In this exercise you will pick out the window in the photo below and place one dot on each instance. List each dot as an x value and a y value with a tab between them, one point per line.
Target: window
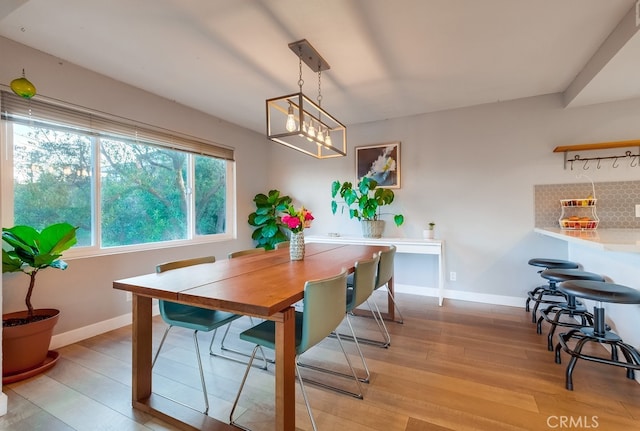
123	185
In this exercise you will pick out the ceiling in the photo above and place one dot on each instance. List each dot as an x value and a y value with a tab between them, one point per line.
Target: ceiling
388	58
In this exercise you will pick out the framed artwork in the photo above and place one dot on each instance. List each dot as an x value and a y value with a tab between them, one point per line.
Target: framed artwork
380	162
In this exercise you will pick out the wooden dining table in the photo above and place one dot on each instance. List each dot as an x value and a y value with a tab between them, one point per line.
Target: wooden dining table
265	285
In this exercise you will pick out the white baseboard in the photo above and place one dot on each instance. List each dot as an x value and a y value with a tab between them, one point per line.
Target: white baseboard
485	298
70	337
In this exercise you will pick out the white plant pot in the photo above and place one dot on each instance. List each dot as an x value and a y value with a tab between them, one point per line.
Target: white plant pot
372	228
428	233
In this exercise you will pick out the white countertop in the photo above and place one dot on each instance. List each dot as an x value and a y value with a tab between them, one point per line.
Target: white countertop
623	240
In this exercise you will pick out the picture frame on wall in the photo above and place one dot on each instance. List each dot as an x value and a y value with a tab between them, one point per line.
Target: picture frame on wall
380	162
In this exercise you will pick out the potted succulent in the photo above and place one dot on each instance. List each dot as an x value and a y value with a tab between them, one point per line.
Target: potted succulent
429	233
364	202
27	334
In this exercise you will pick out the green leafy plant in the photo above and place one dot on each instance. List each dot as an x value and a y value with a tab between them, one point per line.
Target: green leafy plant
432	225
269	227
30	251
363	201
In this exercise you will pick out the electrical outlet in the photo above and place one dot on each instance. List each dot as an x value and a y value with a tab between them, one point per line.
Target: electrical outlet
453	276
129	296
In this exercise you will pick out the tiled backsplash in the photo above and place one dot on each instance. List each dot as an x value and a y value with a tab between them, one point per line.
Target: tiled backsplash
615	206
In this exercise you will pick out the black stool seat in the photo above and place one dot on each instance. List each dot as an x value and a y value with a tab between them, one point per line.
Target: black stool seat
600	292
572	307
553	263
547	294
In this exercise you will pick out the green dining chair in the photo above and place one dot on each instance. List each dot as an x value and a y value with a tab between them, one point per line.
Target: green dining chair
190	317
383	276
324	302
223	348
363	283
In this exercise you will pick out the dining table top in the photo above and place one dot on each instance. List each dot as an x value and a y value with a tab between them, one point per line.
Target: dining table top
257	284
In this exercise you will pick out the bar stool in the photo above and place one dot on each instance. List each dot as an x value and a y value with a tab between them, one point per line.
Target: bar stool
572	307
600	292
537	295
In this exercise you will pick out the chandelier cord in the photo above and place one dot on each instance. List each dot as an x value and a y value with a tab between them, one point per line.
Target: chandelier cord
319	89
300	80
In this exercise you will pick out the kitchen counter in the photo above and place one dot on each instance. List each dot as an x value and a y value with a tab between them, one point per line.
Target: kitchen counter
622	240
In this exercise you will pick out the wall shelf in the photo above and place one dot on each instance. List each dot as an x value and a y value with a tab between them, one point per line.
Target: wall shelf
566	149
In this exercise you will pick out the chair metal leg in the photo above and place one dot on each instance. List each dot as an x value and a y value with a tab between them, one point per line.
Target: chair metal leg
364	363
353	374
265	361
164	337
195	340
306	399
393	300
244	379
204	386
377	315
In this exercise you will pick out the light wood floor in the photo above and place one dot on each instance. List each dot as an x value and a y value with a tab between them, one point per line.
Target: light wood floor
463	366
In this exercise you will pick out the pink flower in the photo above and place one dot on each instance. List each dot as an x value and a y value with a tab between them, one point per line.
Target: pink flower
291	222
296	221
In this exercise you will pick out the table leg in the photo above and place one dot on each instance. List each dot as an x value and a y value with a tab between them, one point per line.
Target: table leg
285	371
391	307
141	348
441	276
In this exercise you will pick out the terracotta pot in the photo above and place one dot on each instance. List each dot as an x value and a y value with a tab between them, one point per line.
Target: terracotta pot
25	346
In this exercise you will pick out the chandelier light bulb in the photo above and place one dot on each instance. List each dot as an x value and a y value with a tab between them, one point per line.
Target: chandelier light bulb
320	134
311	130
291	120
327	139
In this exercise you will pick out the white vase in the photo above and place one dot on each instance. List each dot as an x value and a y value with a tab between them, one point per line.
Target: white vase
296	246
428	233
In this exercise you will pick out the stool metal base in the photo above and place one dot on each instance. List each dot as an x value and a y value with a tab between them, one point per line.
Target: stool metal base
585	335
571	309
540	295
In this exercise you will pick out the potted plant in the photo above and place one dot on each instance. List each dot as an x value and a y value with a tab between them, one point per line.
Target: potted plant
265	218
27	334
364	202
429	233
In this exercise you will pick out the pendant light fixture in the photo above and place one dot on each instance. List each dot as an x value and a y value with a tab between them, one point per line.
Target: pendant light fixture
296	121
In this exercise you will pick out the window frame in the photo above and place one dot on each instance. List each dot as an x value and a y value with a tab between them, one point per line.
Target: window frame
175	142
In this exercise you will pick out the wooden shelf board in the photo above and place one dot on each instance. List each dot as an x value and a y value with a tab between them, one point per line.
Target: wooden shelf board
597	146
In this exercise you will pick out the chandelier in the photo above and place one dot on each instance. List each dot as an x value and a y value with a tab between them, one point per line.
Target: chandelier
298	122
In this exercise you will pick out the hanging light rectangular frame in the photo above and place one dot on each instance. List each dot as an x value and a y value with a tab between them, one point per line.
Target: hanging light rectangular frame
328	138
298	122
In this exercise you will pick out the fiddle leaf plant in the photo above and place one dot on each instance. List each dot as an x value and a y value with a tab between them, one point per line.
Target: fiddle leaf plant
29	251
364	200
269	227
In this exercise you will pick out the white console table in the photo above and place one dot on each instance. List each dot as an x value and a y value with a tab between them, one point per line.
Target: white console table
403	245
